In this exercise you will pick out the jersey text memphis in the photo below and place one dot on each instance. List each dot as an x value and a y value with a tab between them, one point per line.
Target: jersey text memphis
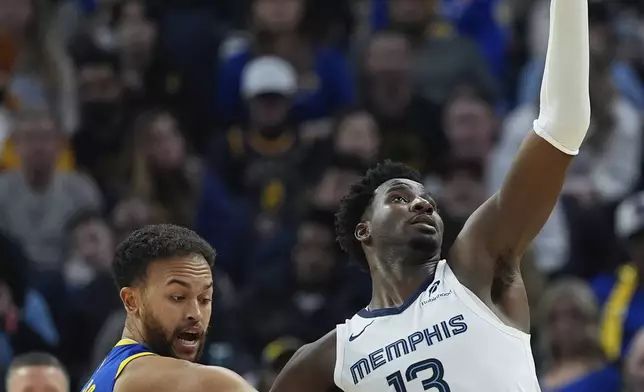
443	339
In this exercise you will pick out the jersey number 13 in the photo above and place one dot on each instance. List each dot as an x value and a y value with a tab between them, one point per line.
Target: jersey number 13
397	380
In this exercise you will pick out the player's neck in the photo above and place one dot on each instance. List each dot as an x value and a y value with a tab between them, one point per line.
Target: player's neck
131	333
393	283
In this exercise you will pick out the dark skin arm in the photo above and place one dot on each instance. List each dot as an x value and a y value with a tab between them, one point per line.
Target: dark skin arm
311	366
489	249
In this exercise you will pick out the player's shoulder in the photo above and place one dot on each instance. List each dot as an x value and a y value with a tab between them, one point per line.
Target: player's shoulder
157	373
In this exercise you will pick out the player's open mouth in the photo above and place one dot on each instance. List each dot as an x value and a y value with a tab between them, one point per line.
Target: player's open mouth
188	339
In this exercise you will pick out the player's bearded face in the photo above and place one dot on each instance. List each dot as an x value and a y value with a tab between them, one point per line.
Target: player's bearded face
161	339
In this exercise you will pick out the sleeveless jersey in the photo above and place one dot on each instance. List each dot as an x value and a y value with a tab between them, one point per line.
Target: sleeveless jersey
110	369
442	339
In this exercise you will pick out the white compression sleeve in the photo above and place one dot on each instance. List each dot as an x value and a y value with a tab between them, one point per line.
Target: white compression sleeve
564	115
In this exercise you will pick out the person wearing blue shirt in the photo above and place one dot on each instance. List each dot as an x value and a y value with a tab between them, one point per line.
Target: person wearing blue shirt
621	294
325	84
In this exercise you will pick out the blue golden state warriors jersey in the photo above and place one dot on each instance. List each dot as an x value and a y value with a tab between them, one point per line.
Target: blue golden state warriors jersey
110	369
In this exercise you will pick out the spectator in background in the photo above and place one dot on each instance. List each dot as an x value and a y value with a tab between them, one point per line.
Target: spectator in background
439	62
410	125
36	201
98	142
36	371
357	135
26	323
161	173
91	250
308	302
324	84
335	181
136	36
34	74
620	293
250	160
256	170
470	124
484	21
572	357
91	296
602	174
633	372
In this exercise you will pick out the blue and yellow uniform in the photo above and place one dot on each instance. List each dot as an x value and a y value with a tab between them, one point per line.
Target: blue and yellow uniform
104	377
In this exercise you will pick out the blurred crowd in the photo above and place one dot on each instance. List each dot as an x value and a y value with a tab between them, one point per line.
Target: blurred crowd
247	120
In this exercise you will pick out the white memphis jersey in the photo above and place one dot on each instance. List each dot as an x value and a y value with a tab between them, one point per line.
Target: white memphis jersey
443	339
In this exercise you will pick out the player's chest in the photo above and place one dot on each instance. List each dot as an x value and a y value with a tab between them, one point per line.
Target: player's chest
424	352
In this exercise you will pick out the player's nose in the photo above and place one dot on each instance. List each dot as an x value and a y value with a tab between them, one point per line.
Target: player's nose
193	311
421	206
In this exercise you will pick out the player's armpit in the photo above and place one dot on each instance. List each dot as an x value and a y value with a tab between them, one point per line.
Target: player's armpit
162	374
310	369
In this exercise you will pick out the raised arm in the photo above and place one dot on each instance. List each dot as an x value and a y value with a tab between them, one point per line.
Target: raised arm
310	369
161	374
499	232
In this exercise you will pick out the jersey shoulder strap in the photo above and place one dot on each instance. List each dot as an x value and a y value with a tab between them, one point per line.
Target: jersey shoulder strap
124	352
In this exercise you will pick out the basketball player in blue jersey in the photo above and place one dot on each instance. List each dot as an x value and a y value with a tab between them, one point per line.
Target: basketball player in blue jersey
165	281
462	325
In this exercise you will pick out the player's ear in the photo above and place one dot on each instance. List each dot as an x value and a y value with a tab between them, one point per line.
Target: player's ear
362	232
130	299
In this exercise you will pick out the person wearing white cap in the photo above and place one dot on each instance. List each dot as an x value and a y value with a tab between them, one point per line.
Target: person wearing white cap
621	293
268	84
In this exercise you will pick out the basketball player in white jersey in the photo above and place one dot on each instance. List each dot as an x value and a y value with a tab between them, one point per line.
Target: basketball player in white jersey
461	325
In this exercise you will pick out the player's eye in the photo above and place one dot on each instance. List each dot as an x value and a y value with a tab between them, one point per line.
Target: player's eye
398	199
205	301
177	298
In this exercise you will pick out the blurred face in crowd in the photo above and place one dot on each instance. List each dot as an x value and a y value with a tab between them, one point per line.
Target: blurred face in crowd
136	34
269	113
37	141
410	16
634	364
462	193
312	256
334	184
570	328
172	307
166	147
357	135
15	16
387	67
277	16
99	93
93	242
37	379
470	126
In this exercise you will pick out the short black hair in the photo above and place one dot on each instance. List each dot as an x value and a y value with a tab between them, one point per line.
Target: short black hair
35	358
359	198
82	217
154	242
